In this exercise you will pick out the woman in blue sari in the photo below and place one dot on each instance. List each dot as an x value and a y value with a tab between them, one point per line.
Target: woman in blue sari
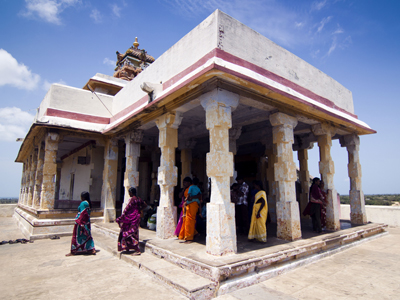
82	241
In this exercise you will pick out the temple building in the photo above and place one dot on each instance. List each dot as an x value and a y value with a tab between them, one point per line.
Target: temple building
224	100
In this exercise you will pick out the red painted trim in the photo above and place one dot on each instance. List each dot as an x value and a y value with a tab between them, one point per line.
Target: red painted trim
130	108
263	72
197	64
135	105
129	111
51	112
220	68
289	96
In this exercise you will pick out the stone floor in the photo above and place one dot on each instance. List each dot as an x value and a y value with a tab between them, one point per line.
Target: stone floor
40	270
370	270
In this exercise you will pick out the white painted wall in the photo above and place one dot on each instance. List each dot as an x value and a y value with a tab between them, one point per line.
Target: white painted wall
389	215
82	176
244	42
75	100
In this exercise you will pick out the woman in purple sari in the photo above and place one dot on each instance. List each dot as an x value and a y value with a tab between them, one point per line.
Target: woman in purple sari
129	223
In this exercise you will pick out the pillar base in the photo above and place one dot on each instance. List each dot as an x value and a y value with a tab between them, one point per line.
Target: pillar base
358	219
288	221
166	222
221	231
332	211
109	215
357	215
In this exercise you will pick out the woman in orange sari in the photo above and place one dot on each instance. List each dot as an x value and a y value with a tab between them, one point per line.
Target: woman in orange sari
190	209
187	182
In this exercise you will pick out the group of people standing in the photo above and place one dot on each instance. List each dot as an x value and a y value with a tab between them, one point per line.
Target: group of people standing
251	209
251	213
128	239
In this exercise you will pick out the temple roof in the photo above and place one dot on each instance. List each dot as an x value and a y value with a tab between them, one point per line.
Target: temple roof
135	52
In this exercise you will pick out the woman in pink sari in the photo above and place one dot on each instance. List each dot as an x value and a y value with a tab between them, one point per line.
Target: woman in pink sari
129	223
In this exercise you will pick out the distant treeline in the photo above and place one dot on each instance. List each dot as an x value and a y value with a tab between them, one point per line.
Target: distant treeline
8	200
374	199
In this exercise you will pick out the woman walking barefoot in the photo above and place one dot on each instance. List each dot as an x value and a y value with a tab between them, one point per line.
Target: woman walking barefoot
82	241
129	223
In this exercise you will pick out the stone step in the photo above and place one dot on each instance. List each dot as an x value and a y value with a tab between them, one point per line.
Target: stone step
183	281
229	273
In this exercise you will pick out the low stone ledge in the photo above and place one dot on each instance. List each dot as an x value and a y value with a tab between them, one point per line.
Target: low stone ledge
34	228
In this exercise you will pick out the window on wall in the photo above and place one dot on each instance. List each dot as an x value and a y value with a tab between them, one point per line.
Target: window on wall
71	187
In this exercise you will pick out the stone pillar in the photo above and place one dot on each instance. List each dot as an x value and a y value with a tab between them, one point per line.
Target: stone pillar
110	173
186	159
167	173
132	154
32	175
49	171
22	189
302	146
327	170
304	177
27	179
38	178
155	159
357	203
221	231
234	134
287	208
272	185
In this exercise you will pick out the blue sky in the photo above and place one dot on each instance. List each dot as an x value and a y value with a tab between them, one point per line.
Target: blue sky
67	41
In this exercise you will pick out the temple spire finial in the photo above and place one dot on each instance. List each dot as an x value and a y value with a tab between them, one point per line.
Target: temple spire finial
136	44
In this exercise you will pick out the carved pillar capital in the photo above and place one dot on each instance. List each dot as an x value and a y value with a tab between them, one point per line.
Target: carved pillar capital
349	140
303	143
135	136
323	129
218	105
169	120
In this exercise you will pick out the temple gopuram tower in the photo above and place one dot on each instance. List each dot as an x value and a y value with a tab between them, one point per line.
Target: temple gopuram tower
132	62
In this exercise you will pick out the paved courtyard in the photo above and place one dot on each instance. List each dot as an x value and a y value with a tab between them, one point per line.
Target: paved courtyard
40	270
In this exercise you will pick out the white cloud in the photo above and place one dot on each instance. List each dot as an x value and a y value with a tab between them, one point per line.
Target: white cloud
298	24
116	10
318	5
109	62
46	85
16	74
96	16
323	23
333	46
339	30
14	123
48	10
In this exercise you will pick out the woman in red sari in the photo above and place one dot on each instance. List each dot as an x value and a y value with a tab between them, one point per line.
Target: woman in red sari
129	223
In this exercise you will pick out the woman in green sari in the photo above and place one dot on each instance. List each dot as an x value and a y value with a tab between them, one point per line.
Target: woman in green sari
82	241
